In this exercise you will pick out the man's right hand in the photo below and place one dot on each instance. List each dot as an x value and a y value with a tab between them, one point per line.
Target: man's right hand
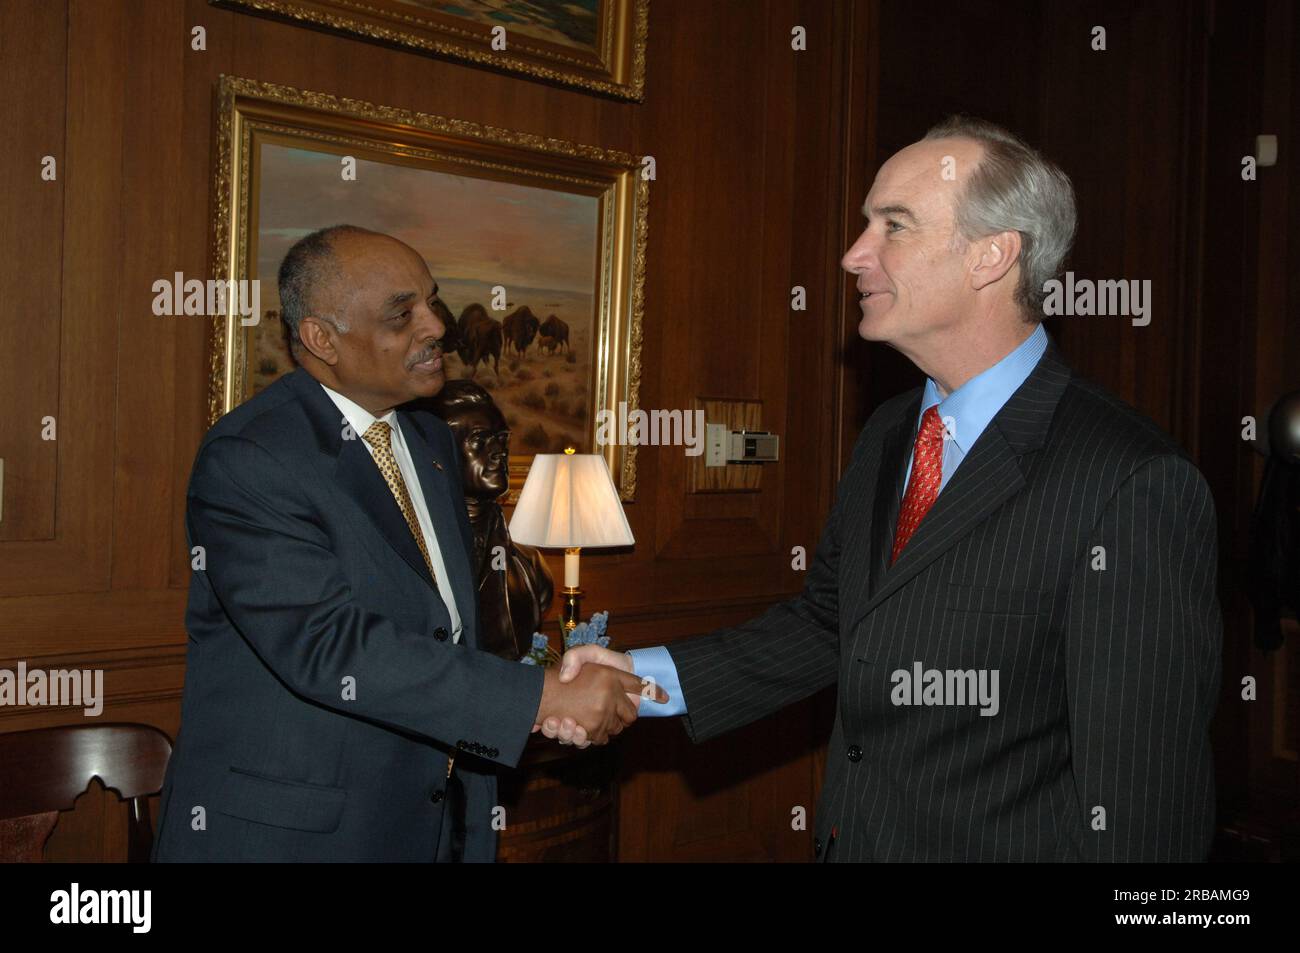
599	699
576	661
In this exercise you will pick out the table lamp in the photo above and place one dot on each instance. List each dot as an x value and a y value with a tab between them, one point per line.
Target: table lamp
569	501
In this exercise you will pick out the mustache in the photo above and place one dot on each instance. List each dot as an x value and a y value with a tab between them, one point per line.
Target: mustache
429	350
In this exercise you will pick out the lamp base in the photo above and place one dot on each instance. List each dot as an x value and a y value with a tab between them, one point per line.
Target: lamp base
572	608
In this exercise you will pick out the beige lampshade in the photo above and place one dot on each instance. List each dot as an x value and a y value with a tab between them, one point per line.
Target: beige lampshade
569	500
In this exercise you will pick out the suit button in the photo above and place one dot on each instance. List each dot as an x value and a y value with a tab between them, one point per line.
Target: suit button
855	753
440	634
436	796
817	845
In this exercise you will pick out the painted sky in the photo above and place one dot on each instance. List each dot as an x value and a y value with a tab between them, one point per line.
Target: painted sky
567	22
472	230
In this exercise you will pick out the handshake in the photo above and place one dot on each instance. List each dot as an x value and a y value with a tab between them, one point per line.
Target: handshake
592	697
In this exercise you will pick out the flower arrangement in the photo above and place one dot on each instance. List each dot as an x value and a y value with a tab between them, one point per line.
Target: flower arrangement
584	633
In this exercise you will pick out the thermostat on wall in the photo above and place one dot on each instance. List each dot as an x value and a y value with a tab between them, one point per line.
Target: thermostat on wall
725	446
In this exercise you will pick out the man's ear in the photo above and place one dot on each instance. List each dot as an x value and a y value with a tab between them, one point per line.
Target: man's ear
996	254
318	339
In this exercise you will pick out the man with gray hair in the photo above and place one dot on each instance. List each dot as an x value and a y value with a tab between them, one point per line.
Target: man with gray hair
338	704
1015	589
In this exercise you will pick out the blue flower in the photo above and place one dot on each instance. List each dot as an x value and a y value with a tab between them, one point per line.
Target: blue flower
588	633
540	641
528	660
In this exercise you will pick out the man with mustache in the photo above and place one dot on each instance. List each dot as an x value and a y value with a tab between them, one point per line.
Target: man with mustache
1015	589
336	703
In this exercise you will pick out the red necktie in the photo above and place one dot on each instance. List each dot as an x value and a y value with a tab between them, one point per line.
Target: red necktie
923	485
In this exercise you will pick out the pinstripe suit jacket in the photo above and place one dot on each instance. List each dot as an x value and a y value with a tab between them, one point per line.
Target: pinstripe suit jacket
1074	552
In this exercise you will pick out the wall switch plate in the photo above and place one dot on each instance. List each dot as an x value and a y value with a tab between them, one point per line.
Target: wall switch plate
716	441
713	468
754	446
1265	150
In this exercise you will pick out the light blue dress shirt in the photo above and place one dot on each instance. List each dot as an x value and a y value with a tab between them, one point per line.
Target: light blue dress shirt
965	412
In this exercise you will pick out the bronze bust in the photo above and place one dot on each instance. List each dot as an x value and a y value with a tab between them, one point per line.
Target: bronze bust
515	586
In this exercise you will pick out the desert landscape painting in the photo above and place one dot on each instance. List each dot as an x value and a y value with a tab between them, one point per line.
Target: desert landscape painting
565	22
516	267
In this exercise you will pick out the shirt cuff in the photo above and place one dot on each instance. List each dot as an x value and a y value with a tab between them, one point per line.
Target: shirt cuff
656	664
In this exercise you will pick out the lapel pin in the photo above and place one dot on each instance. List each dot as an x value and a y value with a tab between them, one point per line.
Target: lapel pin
437	464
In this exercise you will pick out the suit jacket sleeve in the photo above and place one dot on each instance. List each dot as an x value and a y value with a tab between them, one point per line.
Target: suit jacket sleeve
736	675
1143	641
269	563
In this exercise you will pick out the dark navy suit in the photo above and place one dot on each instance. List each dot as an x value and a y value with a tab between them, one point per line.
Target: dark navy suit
323	692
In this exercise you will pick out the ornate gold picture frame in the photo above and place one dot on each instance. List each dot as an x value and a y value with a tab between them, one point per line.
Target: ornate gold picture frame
509	223
596	45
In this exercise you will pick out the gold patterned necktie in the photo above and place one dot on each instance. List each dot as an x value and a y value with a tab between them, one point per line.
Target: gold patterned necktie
380	437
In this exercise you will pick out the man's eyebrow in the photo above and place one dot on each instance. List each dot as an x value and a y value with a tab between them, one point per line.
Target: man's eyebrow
406	297
883	211
400	297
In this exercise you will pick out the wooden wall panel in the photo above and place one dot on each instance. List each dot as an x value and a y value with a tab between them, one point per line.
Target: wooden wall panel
190	252
1226	367
33	86
143	530
77	558
1123	124
722	326
1272	792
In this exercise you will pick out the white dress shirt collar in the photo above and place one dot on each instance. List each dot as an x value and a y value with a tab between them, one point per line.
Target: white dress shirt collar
356	415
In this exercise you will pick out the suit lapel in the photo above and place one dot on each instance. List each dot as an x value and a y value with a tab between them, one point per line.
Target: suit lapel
988	477
992	472
456	549
356	472
889	493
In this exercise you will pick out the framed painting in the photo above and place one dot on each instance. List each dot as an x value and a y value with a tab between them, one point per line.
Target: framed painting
597	45
538	234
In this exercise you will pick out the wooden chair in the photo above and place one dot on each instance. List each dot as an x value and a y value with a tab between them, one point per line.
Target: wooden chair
43	771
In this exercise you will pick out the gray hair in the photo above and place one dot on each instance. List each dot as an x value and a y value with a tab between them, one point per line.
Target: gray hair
308	264
1015	188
